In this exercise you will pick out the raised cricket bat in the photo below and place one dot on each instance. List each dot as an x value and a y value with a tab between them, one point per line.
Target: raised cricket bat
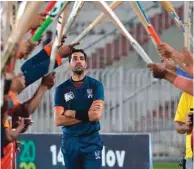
77	7
104	6
13	13
5	21
172	12
63	19
97	21
20	30
140	15
21	10
54	14
50	18
47	10
12	22
57	41
146	22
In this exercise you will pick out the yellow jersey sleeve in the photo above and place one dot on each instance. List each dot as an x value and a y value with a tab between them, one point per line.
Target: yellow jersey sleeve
186	102
182	109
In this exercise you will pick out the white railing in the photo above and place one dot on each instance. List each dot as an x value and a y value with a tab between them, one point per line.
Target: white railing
134	102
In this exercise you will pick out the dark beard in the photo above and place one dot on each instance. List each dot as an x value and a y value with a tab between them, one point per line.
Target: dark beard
78	72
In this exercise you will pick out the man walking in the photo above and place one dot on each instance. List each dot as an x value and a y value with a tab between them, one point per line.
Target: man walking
79	103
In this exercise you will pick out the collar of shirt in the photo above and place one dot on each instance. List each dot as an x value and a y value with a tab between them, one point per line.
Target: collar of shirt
78	83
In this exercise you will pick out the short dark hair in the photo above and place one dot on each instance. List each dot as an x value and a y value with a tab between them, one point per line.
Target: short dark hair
77	50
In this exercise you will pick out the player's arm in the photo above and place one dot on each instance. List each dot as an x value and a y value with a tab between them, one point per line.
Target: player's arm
45	53
59	111
15	86
93	114
184	84
61	119
12	134
37	66
159	71
28	107
182	128
97	107
95	111
180	119
180	82
185	59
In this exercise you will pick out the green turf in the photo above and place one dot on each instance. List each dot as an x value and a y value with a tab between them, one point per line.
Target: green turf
165	166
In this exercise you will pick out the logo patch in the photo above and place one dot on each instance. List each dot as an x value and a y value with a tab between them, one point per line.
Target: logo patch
68	96
97	154
90	93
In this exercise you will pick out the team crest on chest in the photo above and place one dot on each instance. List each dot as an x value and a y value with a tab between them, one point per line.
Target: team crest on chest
68	96
90	93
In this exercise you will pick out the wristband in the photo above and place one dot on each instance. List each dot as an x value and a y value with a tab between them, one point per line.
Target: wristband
82	115
58	57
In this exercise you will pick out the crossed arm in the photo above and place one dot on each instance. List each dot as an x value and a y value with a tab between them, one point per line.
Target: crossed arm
61	119
68	117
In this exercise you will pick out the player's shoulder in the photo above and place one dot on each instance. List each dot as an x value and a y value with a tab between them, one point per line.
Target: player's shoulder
94	81
63	84
185	97
185	102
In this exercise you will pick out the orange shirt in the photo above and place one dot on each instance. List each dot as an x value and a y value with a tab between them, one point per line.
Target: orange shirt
8	160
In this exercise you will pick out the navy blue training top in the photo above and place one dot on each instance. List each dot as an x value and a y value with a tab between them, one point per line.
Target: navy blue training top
79	99
36	67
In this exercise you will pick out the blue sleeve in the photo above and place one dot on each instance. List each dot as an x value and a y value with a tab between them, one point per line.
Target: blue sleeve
99	91
182	73
36	67
35	60
59	97
36	72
